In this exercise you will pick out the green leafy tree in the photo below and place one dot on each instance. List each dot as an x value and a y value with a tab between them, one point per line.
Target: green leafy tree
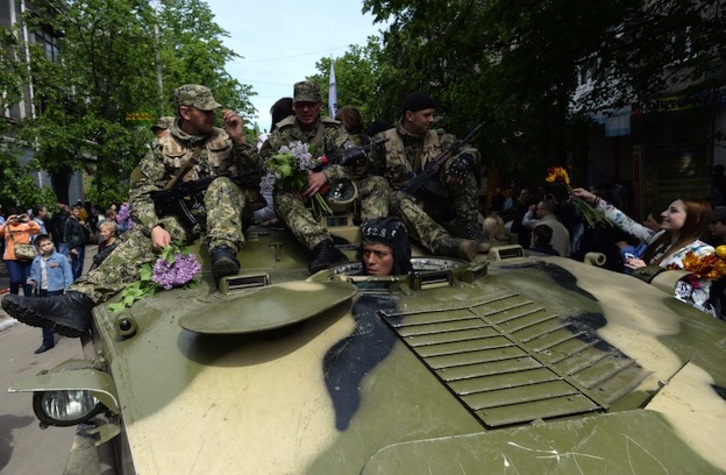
98	93
355	76
517	65
192	52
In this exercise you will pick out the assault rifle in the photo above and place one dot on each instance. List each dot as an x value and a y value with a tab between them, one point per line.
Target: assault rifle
173	201
432	168
347	156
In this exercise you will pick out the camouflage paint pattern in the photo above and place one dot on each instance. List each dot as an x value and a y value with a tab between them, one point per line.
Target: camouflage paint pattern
289	205
224	202
396	160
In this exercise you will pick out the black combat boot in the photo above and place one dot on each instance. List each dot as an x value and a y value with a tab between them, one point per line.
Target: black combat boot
68	314
326	255
455	247
224	262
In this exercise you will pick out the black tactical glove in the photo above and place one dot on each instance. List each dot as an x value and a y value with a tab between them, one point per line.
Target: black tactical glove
461	166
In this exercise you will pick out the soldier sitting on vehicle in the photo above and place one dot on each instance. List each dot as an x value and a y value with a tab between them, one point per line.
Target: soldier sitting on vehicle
320	136
193	149
410	145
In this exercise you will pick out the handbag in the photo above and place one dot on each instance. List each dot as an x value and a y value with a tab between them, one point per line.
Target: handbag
23	252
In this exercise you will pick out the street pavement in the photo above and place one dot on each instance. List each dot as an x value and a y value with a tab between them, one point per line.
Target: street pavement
24	447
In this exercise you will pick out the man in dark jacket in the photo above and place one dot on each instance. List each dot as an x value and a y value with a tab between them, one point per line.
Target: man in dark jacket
58	227
75	235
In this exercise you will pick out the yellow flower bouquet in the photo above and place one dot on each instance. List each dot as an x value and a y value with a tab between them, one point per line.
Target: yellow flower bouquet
591	215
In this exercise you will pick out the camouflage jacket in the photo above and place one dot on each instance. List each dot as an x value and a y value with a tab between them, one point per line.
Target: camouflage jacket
169	155
404	154
332	138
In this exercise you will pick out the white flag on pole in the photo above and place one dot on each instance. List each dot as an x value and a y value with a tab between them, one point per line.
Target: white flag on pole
332	91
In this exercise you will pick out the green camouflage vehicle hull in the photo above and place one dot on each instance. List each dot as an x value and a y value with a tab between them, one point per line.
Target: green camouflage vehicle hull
506	365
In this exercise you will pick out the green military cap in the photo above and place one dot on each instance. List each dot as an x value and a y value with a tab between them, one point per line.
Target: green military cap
197	96
164	122
306	91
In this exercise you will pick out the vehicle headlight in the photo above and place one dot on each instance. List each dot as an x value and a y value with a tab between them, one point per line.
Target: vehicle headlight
65	407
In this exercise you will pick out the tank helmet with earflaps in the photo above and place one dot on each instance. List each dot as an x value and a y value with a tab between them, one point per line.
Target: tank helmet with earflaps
391	232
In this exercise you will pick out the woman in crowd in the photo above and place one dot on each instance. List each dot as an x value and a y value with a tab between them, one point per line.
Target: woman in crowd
683	223
17	230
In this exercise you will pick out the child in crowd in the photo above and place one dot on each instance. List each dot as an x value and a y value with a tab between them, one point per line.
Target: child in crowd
50	274
107	230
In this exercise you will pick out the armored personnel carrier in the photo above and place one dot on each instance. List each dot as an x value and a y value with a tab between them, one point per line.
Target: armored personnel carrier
510	364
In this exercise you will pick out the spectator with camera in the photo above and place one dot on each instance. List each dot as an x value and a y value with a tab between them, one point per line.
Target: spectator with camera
19	251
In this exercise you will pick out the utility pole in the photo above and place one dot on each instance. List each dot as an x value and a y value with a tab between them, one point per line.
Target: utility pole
157	38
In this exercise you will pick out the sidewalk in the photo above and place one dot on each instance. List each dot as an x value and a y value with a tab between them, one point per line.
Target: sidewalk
5	320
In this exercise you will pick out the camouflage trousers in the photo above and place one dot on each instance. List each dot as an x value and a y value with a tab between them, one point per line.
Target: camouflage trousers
374	194
464	198
299	219
420	225
226	205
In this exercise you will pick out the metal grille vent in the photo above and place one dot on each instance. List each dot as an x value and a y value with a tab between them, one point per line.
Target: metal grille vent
511	361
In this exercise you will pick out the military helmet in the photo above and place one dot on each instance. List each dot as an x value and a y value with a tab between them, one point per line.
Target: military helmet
391	232
197	96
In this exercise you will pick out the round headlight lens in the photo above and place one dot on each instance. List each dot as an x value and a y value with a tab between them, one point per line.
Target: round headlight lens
65	408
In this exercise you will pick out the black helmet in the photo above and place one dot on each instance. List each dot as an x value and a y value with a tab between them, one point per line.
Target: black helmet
391	232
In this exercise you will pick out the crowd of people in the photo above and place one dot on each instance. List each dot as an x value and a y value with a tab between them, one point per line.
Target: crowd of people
444	217
44	254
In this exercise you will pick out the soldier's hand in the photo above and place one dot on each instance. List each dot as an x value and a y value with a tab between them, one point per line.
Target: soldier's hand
634	263
315	182
160	237
233	124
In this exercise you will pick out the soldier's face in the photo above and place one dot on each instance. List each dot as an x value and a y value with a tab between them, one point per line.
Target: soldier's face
196	121
419	122
377	259
307	113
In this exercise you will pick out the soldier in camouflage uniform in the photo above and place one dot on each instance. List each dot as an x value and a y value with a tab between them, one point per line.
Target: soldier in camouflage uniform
326	136
193	149
409	147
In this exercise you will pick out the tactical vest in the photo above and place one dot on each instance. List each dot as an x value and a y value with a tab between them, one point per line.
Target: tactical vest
399	167
318	139
216	157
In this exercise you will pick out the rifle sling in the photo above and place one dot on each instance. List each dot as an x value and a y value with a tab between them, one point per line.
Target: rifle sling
194	160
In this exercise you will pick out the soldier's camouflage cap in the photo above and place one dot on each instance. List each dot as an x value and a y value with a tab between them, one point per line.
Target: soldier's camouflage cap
197	96
306	91
164	122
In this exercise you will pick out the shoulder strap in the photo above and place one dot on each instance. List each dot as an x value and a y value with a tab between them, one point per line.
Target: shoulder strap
319	140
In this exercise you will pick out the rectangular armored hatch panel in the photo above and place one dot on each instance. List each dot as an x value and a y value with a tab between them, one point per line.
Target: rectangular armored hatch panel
512	361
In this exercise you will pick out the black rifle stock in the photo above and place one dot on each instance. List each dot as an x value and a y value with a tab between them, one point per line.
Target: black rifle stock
347	156
172	201
432	168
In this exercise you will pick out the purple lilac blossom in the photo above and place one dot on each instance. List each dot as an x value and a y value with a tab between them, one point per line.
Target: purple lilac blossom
177	274
124	217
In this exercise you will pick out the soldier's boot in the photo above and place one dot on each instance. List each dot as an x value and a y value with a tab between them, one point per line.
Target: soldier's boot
68	314
325	255
455	247
224	262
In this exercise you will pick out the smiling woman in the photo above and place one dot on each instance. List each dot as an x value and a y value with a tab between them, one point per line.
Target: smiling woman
684	222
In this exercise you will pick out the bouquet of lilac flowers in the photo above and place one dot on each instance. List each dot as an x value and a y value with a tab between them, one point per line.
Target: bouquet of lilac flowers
175	267
288	170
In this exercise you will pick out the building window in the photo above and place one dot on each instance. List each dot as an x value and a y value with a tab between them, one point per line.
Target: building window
49	43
